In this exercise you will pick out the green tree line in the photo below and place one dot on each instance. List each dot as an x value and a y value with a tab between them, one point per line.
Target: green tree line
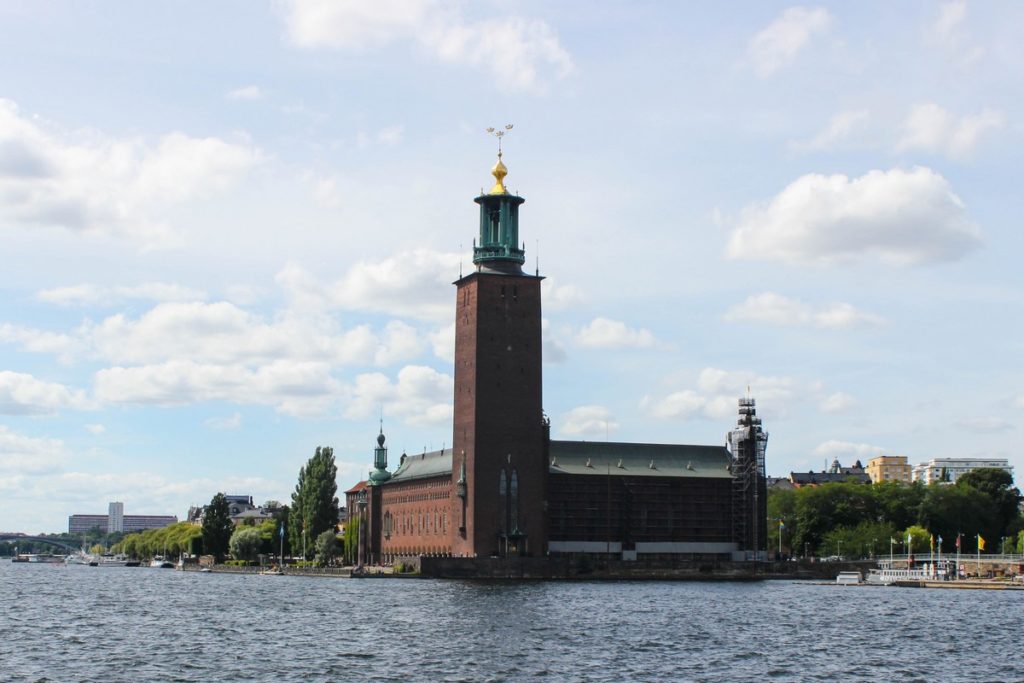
857	519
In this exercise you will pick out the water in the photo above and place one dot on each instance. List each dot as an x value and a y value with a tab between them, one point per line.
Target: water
139	624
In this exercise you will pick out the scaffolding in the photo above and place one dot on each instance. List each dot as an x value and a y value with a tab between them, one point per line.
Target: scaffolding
747	444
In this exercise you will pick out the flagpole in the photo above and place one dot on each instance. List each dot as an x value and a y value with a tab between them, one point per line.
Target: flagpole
958	535
977	542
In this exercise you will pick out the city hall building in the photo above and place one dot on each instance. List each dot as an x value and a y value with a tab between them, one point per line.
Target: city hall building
506	489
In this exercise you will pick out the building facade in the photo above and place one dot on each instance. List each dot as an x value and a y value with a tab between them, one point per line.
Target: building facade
80	524
115	517
950	469
889	468
506	489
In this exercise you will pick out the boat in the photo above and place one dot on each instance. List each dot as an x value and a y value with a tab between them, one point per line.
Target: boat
114	561
848	578
39	558
888	574
161	562
273	571
78	558
44	558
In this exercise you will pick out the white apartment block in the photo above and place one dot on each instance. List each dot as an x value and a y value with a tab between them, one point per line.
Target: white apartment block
949	469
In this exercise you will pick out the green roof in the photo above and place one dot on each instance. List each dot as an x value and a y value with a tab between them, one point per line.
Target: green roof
424	465
639	459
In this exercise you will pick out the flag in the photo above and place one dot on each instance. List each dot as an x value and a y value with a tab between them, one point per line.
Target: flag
281	531
958	541
933	541
782	525
940	542
981	542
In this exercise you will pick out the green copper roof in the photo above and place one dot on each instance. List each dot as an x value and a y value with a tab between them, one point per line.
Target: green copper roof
424	465
639	459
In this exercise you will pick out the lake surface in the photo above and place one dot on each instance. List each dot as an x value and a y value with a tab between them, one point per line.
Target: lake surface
139	624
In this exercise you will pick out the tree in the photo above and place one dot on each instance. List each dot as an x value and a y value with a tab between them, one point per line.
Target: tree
217	526
315	502
352	540
326	547
997	484
246	543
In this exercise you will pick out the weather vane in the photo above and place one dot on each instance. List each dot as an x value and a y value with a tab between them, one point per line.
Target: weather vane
500	134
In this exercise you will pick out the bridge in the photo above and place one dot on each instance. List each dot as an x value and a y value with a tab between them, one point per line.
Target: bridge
37	539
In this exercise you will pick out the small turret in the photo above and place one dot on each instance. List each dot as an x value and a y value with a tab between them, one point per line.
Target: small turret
379	473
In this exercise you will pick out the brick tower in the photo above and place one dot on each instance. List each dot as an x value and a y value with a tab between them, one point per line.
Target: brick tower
499	460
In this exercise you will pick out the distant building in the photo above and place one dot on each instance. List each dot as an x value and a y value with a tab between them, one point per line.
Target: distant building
950	469
115	517
116	521
835	474
80	524
779	484
889	468
241	509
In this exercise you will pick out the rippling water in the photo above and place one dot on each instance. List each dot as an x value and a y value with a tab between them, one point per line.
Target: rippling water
139	624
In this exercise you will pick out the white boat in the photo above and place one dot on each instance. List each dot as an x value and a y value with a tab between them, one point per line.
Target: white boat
40	558
888	574
161	562
78	558
114	561
848	578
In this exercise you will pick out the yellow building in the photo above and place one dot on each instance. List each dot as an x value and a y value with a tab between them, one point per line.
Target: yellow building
889	468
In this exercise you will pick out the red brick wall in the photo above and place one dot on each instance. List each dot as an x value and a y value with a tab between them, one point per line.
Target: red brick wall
416	517
498	394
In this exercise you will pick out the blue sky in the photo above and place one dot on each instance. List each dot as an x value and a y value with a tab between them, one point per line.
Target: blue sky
228	231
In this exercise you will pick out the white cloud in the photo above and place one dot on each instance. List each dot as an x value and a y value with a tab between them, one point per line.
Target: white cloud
552	349
838	402
519	52
985	425
778	44
839	129
415	284
420	396
603	333
442	341
776	309
99	295
931	128
248	92
560	297
847	451
22	394
86	182
388	136
26	455
95	429
65	347
592	421
293	388
951	17
1020	401
901	217
717	393
234	421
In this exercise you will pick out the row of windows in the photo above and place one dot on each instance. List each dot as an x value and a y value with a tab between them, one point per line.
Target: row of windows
415	523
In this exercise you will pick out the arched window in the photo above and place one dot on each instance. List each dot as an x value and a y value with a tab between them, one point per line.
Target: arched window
514	502
503	501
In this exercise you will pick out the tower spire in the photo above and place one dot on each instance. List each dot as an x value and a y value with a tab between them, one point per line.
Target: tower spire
498	248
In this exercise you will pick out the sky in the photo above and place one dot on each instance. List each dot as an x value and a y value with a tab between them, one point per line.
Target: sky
229	231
